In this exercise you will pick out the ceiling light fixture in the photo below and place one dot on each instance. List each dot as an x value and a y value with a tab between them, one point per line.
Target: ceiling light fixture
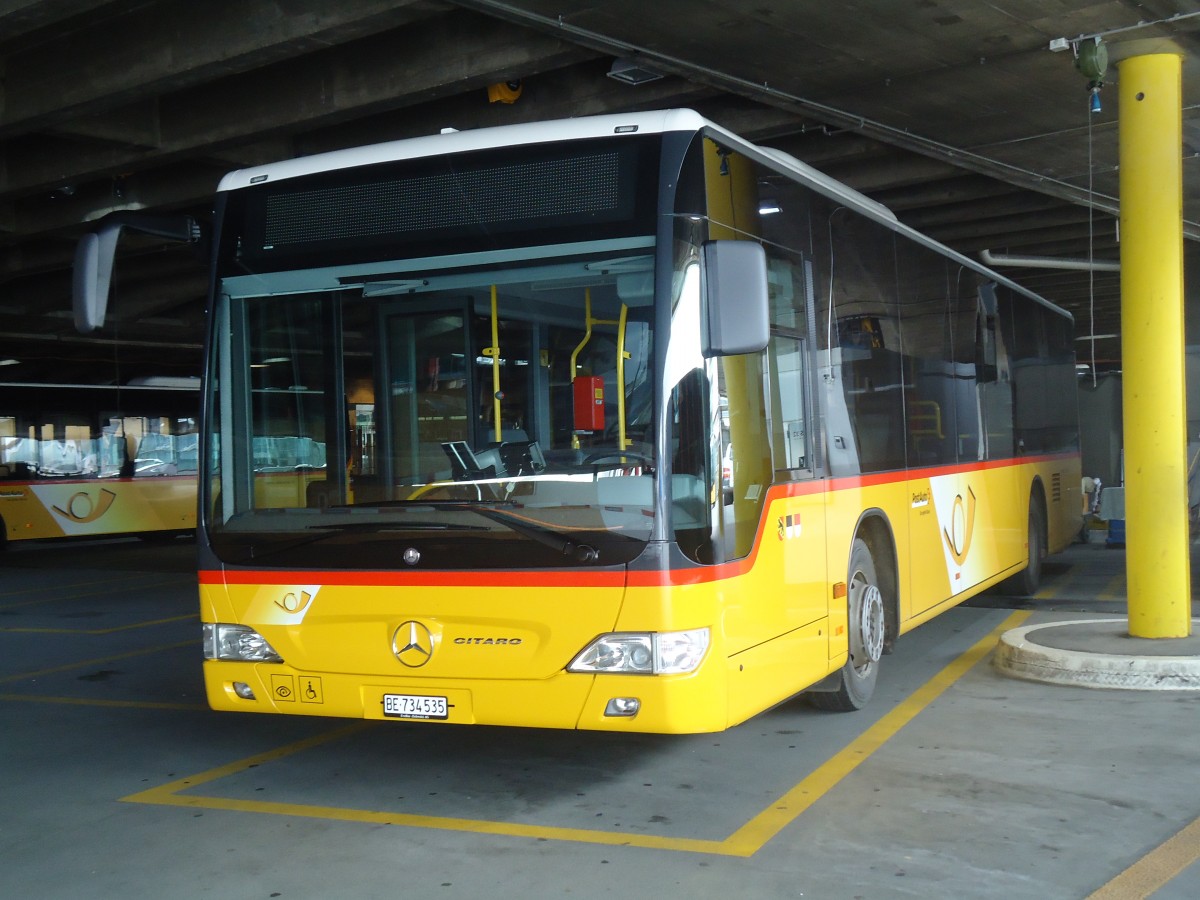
629	71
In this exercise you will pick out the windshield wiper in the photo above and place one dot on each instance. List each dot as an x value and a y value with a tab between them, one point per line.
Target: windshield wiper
543	534
329	529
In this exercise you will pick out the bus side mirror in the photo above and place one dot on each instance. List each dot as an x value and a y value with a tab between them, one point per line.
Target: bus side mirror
91	276
733	283
95	252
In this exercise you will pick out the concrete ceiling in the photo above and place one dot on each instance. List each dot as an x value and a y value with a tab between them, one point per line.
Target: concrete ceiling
954	113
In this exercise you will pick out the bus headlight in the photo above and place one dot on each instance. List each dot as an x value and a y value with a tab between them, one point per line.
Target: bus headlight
643	653
237	643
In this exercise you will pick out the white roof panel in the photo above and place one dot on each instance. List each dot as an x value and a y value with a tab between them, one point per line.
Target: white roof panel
464	141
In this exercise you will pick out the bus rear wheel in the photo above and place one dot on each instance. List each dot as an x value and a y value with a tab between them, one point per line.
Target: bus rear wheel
856	679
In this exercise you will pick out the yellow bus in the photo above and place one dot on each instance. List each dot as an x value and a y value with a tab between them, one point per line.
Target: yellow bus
89	461
614	423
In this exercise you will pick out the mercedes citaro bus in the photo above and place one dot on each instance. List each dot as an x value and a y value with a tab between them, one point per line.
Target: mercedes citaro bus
612	423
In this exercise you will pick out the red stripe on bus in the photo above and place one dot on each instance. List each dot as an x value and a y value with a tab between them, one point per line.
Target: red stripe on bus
391	578
572	578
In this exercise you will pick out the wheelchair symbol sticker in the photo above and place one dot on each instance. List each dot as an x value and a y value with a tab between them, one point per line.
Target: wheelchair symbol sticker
310	690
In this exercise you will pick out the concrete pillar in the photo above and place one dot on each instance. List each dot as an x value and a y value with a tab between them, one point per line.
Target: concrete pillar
1152	347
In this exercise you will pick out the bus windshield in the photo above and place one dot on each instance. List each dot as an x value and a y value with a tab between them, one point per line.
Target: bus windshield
485	414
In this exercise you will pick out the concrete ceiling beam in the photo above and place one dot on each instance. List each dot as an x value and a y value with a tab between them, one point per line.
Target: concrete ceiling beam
19	18
422	62
167	46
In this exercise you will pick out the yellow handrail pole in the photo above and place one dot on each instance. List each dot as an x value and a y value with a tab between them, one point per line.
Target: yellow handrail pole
1152	348
587	334
495	348
621	357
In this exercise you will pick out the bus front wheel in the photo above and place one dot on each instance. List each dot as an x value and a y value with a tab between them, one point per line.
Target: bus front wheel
855	682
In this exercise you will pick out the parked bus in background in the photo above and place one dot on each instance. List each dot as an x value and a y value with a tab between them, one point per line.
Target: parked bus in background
615	423
91	461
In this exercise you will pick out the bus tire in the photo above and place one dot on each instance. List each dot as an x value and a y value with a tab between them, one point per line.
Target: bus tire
855	682
1026	582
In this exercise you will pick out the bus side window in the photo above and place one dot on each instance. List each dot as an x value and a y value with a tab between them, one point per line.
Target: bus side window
995	382
691	520
790	440
745	392
791	413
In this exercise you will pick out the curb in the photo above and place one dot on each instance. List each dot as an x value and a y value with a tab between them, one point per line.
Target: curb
1019	655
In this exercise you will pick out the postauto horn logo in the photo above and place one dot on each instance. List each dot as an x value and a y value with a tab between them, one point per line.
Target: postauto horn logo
82	508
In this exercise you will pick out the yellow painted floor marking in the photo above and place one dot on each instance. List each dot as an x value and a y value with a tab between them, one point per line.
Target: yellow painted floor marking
744	842
100	631
145	651
155	795
482	826
111	704
1049	589
169	795
1114	589
1156	868
768	823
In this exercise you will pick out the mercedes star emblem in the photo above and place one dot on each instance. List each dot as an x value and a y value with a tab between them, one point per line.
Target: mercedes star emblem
413	644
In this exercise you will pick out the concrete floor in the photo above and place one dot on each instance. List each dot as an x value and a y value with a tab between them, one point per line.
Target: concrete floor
117	781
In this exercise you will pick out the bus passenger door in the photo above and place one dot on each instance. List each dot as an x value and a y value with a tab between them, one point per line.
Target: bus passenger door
424	395
796	523
772	506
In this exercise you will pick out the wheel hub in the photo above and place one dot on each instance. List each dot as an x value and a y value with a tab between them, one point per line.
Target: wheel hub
867	626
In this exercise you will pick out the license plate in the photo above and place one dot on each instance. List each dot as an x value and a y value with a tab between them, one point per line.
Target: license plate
415	706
